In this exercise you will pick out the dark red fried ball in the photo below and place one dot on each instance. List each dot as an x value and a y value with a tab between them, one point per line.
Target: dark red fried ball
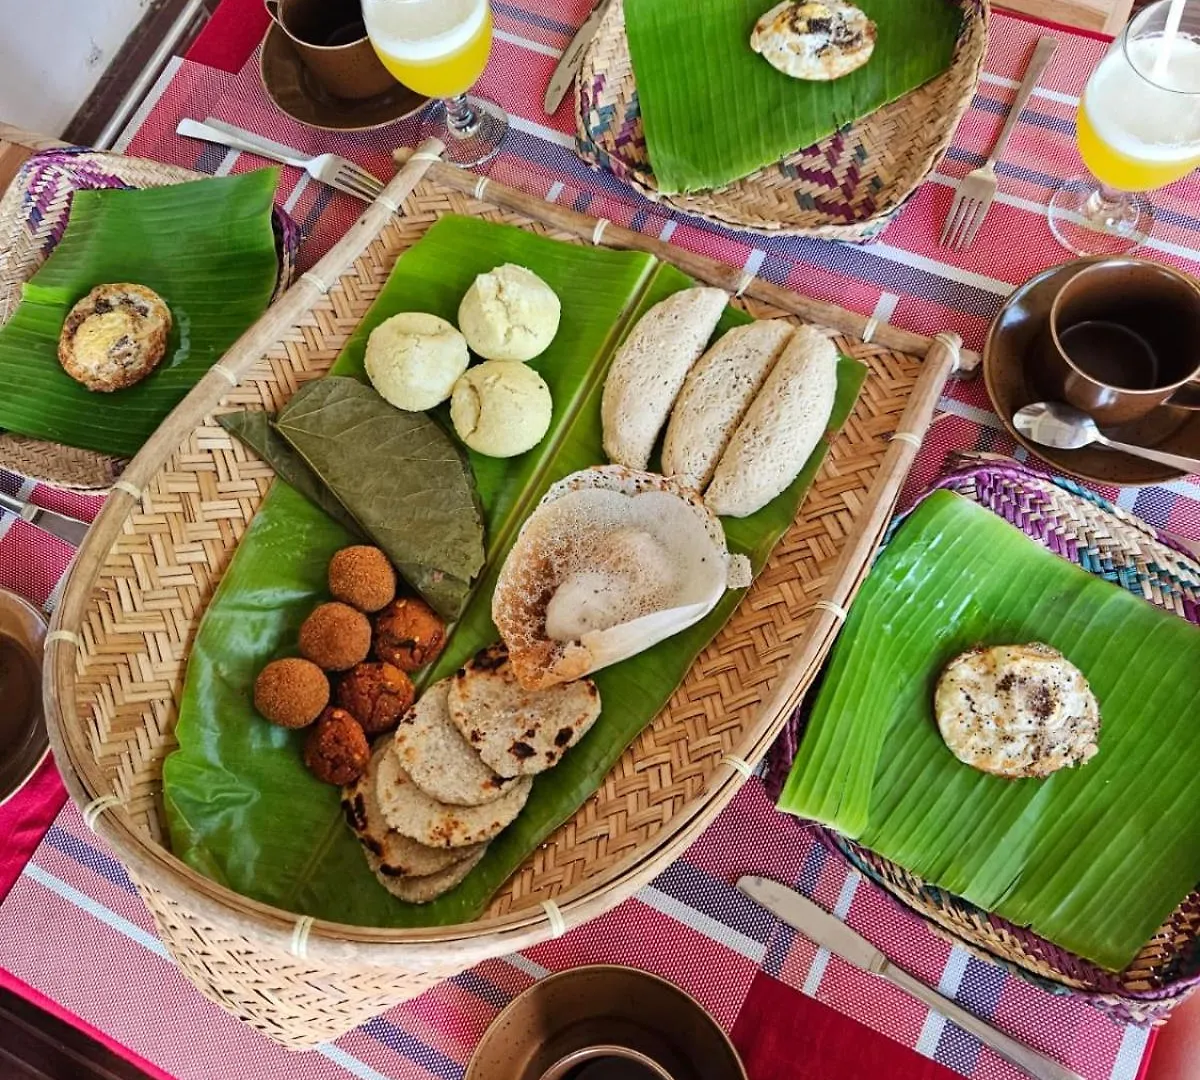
335	637
336	749
362	577
409	634
376	695
291	692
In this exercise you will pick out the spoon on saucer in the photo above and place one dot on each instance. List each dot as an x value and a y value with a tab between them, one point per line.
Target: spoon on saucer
1063	427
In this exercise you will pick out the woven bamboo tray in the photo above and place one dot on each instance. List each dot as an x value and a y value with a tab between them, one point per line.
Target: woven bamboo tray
847	187
33	216
117	653
1111	543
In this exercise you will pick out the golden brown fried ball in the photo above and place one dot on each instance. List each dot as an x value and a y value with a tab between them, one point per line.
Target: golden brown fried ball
336	749
409	634
335	637
291	692
362	577
376	695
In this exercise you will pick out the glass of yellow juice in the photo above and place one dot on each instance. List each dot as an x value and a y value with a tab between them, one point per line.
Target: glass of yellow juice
440	48
1138	128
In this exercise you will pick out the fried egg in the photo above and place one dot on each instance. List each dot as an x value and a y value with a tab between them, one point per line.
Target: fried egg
1017	710
818	41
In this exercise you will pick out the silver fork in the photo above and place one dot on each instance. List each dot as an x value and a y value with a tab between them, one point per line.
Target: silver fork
337	172
975	192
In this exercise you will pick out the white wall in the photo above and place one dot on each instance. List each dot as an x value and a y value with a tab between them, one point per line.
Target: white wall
52	52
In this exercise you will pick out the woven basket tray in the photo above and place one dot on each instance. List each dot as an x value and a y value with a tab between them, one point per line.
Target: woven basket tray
115	664
847	187
33	218
1113	544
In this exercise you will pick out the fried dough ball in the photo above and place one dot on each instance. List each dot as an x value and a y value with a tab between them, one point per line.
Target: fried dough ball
336	750
291	692
409	634
362	577
376	695
335	637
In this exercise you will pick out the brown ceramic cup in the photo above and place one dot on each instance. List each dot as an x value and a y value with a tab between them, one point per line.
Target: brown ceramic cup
331	38
1124	339
605	1062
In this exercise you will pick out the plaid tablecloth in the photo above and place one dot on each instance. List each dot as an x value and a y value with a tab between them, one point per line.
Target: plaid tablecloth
73	934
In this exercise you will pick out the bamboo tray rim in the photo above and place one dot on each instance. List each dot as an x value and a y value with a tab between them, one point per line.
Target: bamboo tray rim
337	942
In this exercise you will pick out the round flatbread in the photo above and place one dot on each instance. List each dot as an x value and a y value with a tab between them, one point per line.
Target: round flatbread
518	732
388	851
115	336
438	759
421	890
408	810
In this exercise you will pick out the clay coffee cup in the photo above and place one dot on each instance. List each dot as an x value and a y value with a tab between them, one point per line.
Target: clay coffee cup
1123	339
331	38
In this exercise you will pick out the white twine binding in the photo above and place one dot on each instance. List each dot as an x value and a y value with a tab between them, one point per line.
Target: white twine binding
869	330
598	231
480	187
312	279
385	200
745	283
908	437
954	346
62	635
299	945
738	764
558	925
836	610
96	807
422	155
225	373
130	489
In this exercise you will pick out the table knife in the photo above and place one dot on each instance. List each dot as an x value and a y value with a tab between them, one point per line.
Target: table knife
572	60
70	529
827	930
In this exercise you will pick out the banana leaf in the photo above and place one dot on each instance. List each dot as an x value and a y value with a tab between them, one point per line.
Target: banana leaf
713	110
235	778
1093	858
207	248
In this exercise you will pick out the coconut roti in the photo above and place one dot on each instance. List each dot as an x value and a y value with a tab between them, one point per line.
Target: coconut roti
409	811
437	757
387	850
519	732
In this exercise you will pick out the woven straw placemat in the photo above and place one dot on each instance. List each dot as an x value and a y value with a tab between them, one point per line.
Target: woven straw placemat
846	187
34	212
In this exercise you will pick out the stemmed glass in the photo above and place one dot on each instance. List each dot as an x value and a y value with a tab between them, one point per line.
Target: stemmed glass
440	48
1138	129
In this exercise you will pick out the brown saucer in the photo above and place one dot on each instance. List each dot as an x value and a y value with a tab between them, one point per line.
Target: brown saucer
1012	369
23	741
293	88
601	1005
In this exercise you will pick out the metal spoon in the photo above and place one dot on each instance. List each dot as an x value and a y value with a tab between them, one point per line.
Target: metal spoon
1063	427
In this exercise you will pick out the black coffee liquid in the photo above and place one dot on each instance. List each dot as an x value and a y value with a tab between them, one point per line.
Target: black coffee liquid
327	22
610	1068
1113	354
19	689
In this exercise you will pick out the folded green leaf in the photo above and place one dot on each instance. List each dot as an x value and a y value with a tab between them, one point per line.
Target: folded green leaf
1093	858
207	248
401	477
253	427
713	110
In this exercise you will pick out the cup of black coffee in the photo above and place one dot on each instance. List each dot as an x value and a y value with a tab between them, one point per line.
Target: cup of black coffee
330	36
1124	339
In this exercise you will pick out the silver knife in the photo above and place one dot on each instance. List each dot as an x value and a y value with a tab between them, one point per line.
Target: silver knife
572	60
70	529
827	930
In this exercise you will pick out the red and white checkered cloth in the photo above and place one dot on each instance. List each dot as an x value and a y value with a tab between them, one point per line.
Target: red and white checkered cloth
73	934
